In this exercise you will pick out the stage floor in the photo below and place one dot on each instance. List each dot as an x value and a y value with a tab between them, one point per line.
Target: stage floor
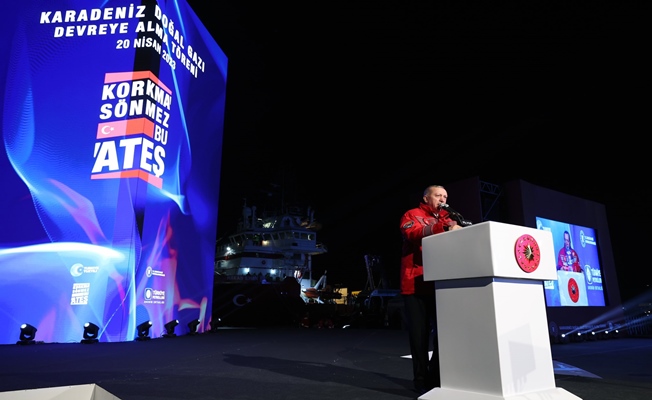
294	363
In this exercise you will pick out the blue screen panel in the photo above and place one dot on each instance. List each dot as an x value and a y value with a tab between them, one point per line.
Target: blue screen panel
111	125
579	276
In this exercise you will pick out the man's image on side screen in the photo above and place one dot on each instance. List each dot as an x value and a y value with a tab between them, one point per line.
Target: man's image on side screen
567	258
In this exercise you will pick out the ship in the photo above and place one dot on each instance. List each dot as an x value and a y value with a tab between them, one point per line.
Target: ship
263	269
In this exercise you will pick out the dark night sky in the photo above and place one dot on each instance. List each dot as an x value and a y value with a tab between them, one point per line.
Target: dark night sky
355	106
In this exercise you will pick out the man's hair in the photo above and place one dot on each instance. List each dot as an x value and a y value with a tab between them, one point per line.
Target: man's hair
425	192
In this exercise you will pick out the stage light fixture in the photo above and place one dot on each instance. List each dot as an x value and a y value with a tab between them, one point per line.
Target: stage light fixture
169	328
143	330
192	326
91	333
215	324
27	334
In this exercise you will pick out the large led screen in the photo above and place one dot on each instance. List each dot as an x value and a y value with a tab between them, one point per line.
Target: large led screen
579	276
111	126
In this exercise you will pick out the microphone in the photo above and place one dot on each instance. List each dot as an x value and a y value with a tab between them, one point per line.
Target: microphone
455	215
448	208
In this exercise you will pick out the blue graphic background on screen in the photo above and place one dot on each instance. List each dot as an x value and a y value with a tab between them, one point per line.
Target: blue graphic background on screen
584	241
70	247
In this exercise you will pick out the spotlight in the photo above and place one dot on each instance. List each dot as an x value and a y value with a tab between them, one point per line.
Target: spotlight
27	334
215	323
564	338
169	328
578	337
143	331
91	333
192	326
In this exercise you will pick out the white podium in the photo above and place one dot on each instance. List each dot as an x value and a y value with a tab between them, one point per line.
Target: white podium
491	313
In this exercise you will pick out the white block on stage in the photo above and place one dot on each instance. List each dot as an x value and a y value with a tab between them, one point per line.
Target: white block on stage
76	392
491	317
451	394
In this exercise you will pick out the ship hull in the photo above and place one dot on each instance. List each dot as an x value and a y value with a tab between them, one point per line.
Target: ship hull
252	304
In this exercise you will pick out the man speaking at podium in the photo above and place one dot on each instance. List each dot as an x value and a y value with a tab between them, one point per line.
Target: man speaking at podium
567	259
429	218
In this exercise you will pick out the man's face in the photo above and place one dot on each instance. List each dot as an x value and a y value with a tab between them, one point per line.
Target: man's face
566	241
435	197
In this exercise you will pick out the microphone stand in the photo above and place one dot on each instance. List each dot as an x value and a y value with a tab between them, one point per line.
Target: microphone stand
457	217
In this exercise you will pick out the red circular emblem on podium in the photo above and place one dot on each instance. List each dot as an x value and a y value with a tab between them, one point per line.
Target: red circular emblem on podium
527	253
573	290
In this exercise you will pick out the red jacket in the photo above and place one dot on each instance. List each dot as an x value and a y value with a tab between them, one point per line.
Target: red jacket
569	258
416	224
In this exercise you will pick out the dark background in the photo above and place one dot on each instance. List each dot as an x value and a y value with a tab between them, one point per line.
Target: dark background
354	107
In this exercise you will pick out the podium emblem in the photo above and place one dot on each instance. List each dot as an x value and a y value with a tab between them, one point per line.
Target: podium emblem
573	290
527	252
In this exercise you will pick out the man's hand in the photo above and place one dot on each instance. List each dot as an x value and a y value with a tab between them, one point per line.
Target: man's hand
453	226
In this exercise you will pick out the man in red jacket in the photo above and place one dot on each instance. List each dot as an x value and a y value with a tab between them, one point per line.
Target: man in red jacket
567	258
418	295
